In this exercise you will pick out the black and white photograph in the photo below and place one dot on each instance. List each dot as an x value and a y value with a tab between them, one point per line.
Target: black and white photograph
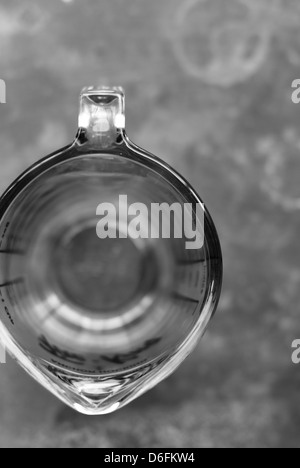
149	223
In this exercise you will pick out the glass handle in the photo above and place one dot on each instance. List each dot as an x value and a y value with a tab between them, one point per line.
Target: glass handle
101	119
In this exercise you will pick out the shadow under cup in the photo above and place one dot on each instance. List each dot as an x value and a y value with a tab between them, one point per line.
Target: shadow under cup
95	306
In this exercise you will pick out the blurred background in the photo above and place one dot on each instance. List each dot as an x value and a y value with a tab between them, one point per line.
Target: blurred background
208	89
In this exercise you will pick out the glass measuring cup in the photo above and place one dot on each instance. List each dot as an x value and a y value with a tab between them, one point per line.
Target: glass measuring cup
98	318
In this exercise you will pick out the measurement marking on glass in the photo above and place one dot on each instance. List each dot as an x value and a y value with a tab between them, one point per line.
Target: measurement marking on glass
181	297
9	315
12	252
190	262
12	282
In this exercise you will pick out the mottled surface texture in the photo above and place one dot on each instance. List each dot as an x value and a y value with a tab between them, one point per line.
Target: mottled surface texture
223	116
